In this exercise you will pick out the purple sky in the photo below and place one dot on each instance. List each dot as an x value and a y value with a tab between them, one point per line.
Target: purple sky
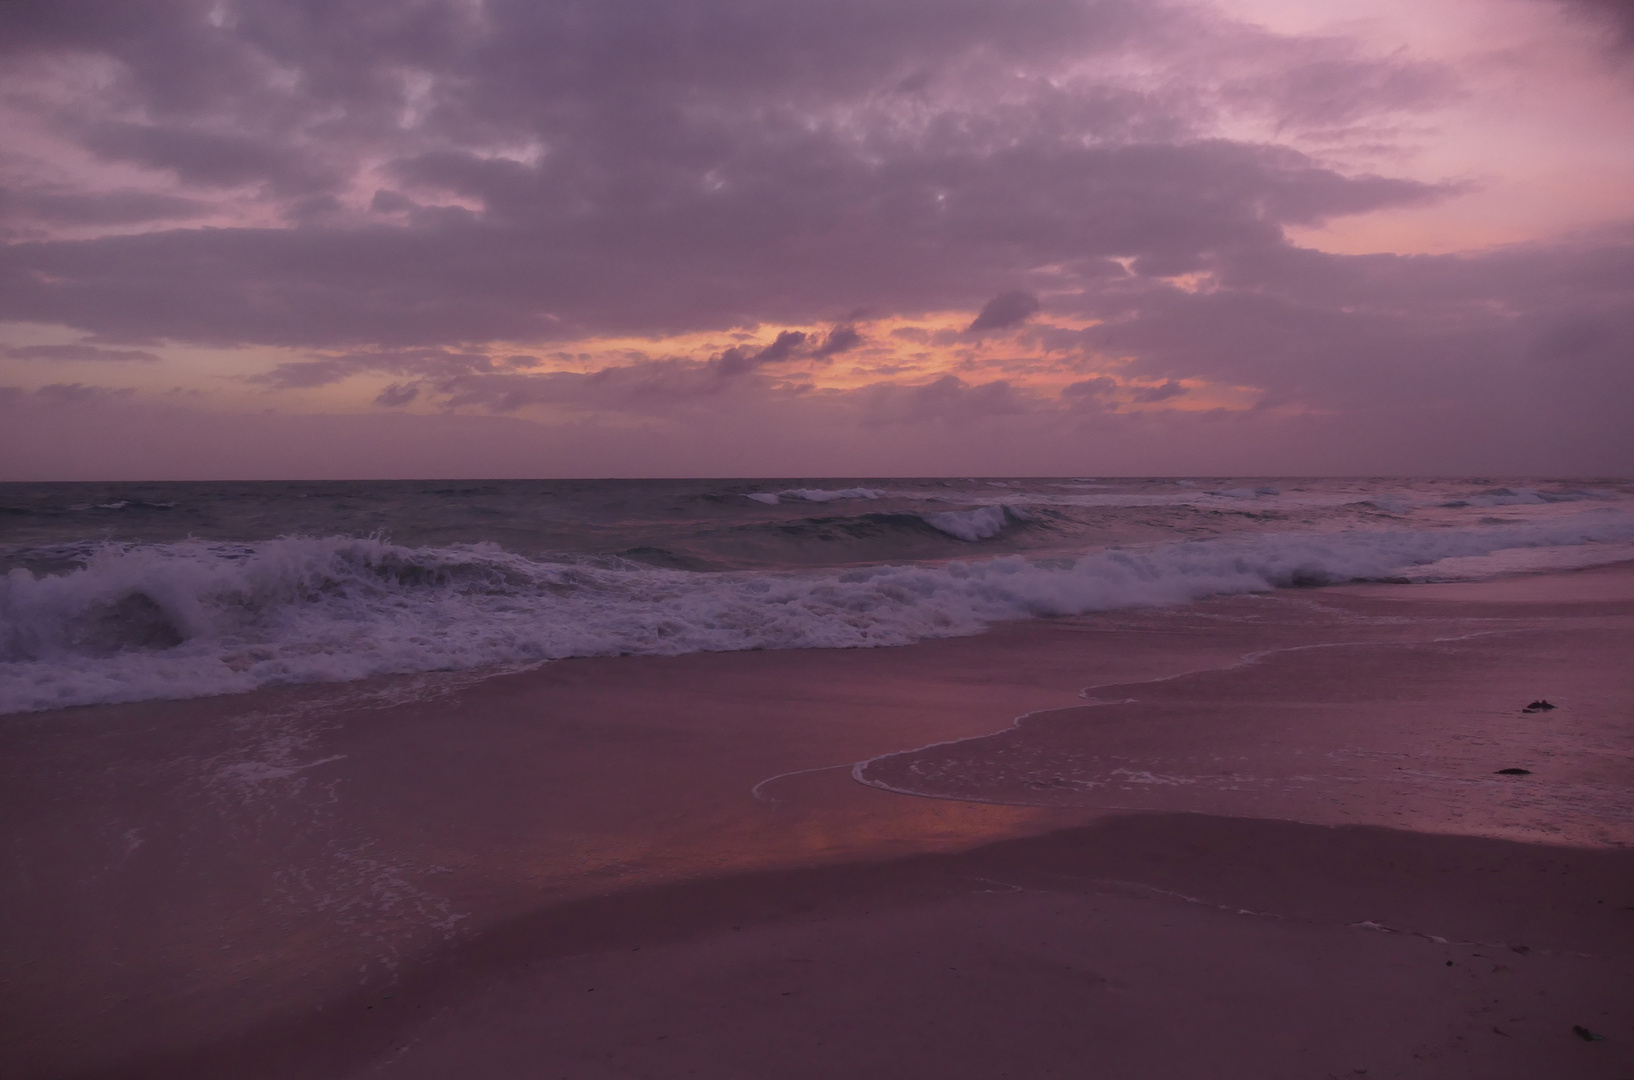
279	238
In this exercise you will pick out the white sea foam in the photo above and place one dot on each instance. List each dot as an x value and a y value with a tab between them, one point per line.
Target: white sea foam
821	495
816	495
1521	561
180	620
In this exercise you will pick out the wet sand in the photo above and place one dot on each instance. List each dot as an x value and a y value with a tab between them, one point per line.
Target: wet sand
664	866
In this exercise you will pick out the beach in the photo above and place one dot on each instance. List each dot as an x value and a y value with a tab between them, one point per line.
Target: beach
1258	835
886	540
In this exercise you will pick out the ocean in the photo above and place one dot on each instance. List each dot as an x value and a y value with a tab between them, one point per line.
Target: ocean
118	592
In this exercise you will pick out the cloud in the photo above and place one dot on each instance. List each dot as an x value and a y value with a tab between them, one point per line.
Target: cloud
327	370
1470	343
1004	310
1150	394
1098	387
397	394
840	339
1615	16
695	263
738	360
558	170
76	352
415	195
1325	83
648	387
25	209
210	158
1477	336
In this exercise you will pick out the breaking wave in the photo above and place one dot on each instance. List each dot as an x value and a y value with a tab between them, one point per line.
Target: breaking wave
816	495
144	621
973	525
1525	496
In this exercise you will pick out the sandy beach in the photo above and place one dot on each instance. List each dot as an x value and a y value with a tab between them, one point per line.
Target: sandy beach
1258	836
840	540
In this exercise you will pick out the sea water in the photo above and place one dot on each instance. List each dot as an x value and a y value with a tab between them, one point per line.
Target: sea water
131	591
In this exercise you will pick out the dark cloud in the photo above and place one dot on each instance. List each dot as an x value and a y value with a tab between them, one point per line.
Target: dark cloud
1149	394
739	360
427	185
325	370
387	201
1549	327
639	386
1328	84
763	253
635	166
397	394
22	208
653	387
1098	387
673	386
1004	310
841	339
1615	16
206	157
76	352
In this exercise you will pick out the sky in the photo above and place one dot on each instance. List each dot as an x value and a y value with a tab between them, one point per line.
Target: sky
261	239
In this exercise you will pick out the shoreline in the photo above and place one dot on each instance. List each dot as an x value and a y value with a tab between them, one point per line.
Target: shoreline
191	873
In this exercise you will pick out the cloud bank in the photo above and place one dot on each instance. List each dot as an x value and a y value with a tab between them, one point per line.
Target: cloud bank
1059	220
